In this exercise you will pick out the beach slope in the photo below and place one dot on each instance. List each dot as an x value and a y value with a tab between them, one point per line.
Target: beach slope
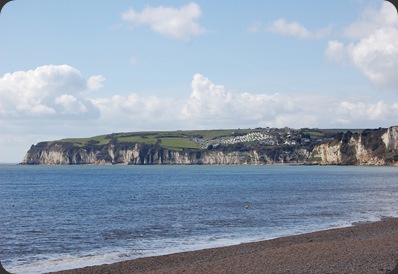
365	248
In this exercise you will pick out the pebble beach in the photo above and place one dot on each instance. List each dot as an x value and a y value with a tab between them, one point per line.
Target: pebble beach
363	248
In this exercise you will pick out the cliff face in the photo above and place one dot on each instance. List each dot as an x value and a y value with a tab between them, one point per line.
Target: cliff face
371	147
138	154
390	138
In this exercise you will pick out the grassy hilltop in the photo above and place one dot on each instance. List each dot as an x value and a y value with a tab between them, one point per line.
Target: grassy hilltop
225	146
183	139
175	140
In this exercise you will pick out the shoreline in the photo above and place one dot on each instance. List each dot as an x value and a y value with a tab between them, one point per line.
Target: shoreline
362	248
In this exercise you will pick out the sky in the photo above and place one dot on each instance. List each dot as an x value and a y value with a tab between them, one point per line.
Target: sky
86	68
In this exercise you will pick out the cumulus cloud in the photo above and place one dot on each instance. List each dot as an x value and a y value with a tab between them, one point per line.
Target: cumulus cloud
58	92
349	112
137	110
336	51
210	102
95	82
70	104
63	111
372	20
296	30
373	46
179	23
213	106
48	91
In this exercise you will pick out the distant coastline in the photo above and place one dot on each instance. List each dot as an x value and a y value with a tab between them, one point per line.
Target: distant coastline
260	146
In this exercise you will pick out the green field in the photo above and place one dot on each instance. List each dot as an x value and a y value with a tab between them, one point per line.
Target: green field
100	140
178	143
181	139
176	140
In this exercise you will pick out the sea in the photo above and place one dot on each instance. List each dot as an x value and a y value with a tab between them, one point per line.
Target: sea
62	217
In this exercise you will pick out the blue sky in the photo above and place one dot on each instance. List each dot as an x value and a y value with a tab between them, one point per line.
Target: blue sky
84	68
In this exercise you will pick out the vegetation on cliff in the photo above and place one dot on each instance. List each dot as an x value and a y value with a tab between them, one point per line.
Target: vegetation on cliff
232	146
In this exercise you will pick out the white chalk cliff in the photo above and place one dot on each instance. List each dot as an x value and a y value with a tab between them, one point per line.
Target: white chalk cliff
371	147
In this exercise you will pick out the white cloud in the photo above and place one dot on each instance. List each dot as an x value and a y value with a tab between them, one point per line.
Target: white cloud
376	56
292	29
373	48
336	51
207	100
70	104
359	111
296	30
95	82
55	93
371	20
179	23
210	105
47	91
213	106
207	106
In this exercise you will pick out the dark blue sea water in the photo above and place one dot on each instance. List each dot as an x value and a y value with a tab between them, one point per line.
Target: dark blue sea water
60	217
